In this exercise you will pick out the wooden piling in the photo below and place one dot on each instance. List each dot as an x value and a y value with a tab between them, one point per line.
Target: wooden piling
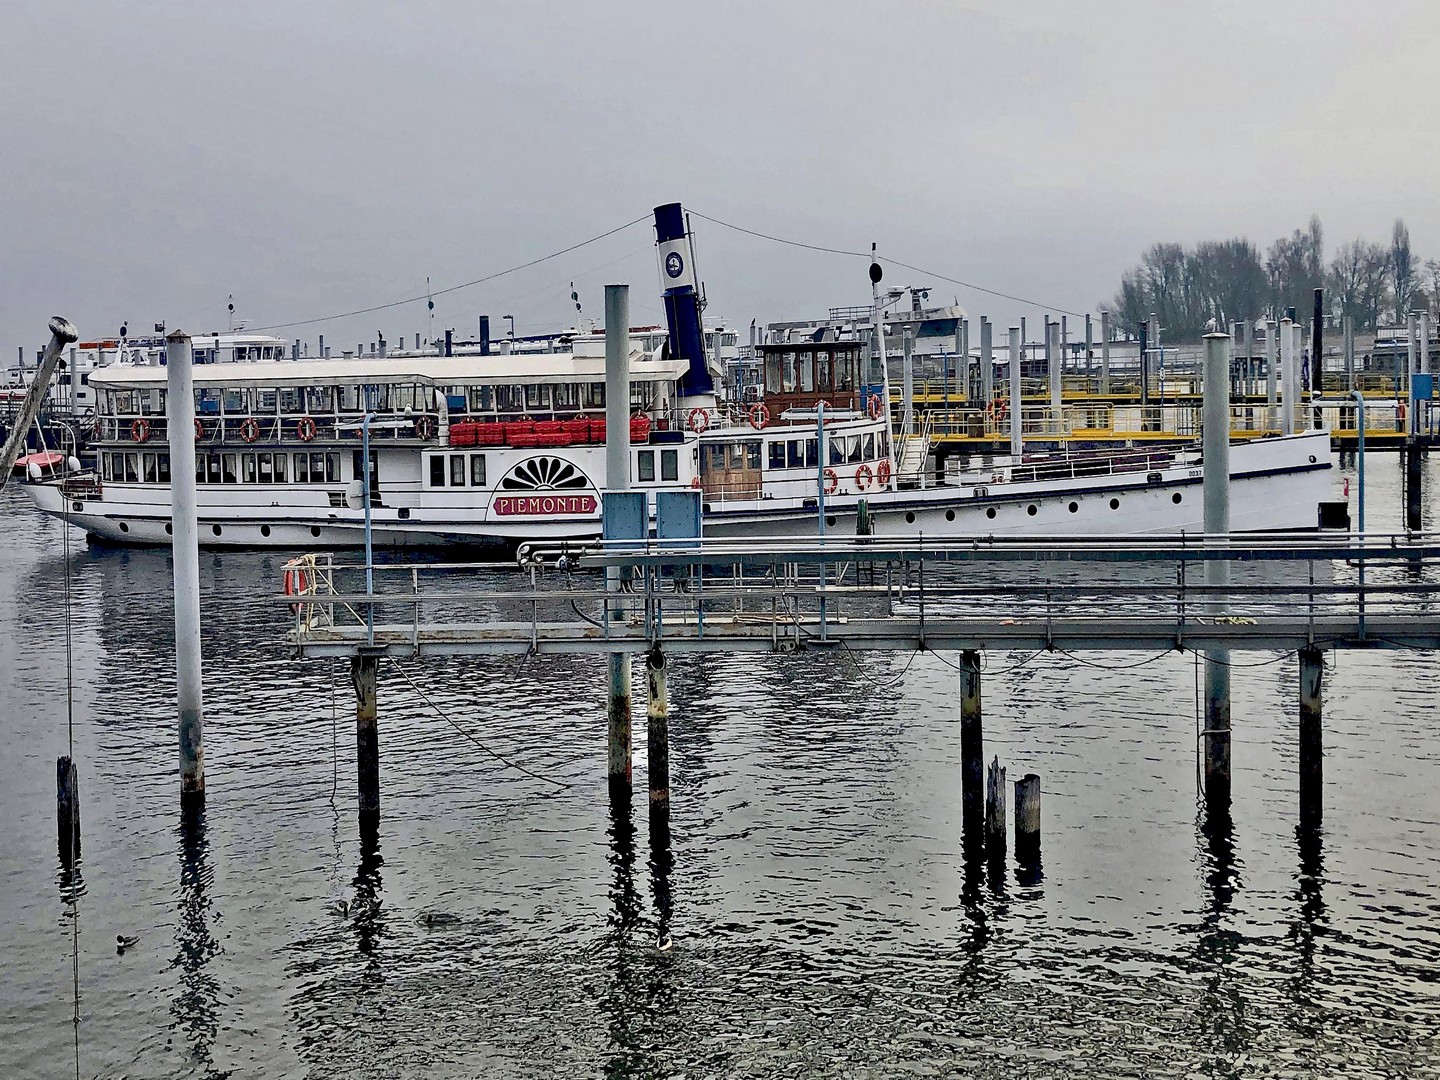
67	811
364	674
617	762
995	811
1027	818
658	730
1312	671
1413	462
972	747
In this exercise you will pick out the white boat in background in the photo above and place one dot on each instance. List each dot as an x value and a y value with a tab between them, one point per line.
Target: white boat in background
483	448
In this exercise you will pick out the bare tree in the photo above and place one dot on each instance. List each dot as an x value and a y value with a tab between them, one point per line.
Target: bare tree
1296	267
1402	269
1359	276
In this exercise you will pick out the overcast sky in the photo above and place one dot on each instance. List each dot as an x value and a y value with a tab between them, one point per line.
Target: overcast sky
312	158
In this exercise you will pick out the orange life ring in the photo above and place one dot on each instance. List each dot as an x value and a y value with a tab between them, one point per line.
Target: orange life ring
882	473
297	583
199	429
140	430
425	428
250	429
864	476
759	415
698	420
832	481
695	482
305	429
875	408
826	404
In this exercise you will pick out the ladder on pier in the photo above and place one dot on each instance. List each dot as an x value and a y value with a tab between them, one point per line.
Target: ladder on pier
912	451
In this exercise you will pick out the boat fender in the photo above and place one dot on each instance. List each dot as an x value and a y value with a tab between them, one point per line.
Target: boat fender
305	429
140	430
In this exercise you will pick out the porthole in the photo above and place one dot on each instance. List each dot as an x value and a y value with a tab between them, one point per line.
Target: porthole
404	513
1114	504
1031	509
1074	507
949	515
1175	498
989	511
910	517
315	530
1312	459
169	530
829	519
124	527
215	529
77	506
264	530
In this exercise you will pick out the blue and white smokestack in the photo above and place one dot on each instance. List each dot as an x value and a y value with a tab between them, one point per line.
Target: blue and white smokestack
682	300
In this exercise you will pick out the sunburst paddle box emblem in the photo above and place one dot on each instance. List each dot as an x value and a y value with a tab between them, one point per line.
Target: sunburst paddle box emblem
549	486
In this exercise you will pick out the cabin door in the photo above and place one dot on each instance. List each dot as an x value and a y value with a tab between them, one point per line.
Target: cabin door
374	474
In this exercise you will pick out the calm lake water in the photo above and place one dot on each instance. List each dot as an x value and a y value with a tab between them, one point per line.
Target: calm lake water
823	921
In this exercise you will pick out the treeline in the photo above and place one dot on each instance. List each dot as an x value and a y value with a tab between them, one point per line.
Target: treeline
1229	281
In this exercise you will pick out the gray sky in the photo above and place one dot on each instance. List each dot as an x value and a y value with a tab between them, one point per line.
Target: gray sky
317	157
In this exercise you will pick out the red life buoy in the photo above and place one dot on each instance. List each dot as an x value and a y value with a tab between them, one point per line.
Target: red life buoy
305	429
695	482
98	427
832	481
759	415
698	420
882	473
425	428
863	477
249	429
140	430
199	429
297	583
825	405
876	407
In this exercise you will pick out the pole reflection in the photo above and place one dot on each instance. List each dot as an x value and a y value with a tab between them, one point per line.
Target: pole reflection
197	999
366	915
1222	1006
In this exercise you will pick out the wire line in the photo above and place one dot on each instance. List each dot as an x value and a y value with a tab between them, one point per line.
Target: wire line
455	288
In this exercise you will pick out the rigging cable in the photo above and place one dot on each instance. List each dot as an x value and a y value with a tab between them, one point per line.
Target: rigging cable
455	288
887	259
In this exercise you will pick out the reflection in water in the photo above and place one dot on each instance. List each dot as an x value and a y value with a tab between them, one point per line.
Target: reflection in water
662	862
625	994
1310	913
366	915
198	997
1222	1002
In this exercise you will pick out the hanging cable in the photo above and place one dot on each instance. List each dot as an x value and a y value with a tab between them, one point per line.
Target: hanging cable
886	259
454	288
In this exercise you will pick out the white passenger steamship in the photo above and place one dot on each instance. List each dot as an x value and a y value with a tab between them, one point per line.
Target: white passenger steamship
503	448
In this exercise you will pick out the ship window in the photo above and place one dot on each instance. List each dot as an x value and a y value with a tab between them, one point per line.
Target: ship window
807	371
124	402
777	453
147	462
332	469
482	399
837	449
884	444
795	454
212	468
292	400
595	398
822	370
235	403
852	443
537	395
263	468
437	471
477	470
788	373
229	465
319	399
870	446
207	403
280	460
669	465
566	395
772	373
265	402
349	398
457	470
302	468
132	468
247	468
812	453
646	470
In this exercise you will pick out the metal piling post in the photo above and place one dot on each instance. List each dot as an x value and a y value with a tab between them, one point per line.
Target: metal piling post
972	748
1216	466
658	731
617	478
185	561
1312	773
364	676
